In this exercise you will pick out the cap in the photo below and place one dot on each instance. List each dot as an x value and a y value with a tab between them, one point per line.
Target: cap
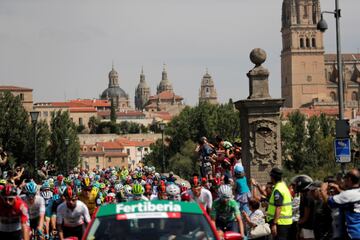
276	172
315	185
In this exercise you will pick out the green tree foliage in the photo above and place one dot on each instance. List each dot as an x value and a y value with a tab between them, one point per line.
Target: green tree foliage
112	112
93	124
14	127
184	163
191	124
60	154
42	140
307	144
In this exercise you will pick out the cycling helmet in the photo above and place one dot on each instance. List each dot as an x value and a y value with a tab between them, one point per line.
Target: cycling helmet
225	191
86	183
173	190
194	182
102	186
47	195
137	189
9	191
148	188
185	197
118	187
3	182
128	189
45	185
238	169
60	178
69	193
56	197
31	188
301	182
62	190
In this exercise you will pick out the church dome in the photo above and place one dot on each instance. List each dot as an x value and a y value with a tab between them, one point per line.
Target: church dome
113	73
114	92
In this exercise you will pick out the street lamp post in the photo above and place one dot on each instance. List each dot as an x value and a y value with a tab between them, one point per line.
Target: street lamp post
162	128
322	26
34	118
66	140
342	126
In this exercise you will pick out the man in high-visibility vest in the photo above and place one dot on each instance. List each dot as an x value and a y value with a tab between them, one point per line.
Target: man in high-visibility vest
279	212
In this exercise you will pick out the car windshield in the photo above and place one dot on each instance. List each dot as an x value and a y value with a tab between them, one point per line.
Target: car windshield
184	226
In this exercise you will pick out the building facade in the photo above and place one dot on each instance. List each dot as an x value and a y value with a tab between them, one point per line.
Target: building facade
308	75
207	91
25	94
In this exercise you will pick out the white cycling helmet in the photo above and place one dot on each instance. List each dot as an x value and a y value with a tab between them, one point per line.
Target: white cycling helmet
172	190
225	191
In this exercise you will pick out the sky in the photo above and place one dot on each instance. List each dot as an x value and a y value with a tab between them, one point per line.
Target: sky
64	49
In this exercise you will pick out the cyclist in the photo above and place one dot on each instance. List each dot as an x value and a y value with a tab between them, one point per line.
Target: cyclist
72	216
51	209
225	212
173	192
46	194
137	193
36	205
200	194
89	195
14	215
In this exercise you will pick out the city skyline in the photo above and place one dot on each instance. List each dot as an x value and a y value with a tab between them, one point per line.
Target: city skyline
64	50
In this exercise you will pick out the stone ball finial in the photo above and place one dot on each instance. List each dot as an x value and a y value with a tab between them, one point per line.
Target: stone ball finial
258	56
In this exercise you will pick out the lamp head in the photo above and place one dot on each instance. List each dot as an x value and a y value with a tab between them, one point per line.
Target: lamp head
322	25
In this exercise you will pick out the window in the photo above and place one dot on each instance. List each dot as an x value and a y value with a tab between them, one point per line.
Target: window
46	114
122	160
307	42
81	121
21	96
354	96
145	149
97	159
128	151
313	40
333	96
302	43
109	160
207	90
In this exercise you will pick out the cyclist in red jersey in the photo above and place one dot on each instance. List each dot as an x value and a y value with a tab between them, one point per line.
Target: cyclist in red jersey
14	216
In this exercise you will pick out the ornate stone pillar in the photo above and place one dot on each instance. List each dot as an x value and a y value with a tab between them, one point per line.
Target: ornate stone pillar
260	123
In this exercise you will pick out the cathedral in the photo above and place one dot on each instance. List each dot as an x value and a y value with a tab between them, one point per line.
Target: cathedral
207	91
309	75
116	94
165	99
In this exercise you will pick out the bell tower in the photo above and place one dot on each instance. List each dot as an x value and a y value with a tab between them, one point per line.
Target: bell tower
302	56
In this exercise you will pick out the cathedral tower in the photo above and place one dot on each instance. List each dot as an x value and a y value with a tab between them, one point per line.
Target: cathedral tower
207	91
165	84
302	56
142	92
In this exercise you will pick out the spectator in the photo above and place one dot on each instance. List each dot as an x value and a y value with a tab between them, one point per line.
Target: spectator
348	201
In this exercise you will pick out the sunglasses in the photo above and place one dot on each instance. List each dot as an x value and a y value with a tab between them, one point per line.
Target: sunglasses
31	196
9	199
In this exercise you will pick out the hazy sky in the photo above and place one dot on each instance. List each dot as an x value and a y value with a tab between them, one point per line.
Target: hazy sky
63	49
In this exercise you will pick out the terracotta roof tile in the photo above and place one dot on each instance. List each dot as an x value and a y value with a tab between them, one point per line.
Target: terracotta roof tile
14	88
166	95
346	57
92	102
110	145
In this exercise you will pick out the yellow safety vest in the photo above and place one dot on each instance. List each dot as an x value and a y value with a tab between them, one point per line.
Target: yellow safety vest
285	217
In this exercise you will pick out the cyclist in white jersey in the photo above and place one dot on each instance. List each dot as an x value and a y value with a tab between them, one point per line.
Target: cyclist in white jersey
36	206
72	216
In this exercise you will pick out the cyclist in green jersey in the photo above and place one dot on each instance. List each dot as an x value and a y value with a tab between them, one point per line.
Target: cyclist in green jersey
225	212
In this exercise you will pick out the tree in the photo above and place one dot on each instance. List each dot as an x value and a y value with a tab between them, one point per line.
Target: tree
93	124
184	163
62	155
112	112
14	128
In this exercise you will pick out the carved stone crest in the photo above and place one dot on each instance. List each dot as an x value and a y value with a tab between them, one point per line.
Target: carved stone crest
263	142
